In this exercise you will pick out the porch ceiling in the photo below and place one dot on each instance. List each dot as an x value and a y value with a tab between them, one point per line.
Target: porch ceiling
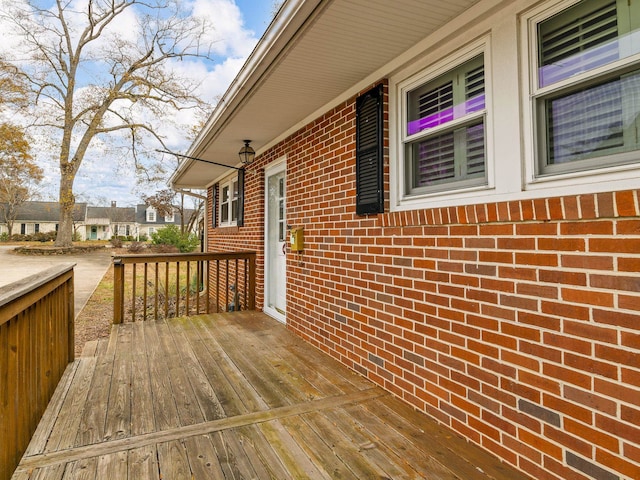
313	52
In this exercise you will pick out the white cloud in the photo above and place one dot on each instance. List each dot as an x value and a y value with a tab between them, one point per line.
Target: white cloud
228	35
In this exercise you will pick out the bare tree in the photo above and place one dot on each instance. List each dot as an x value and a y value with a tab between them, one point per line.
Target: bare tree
167	201
140	88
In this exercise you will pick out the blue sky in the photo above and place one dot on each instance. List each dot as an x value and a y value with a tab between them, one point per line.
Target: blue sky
256	13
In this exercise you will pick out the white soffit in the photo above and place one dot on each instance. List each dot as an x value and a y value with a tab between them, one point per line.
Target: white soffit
340	43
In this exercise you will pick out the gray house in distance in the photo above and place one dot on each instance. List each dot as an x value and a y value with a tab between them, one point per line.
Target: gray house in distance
35	217
95	223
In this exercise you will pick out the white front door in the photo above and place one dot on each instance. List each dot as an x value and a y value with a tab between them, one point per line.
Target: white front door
275	278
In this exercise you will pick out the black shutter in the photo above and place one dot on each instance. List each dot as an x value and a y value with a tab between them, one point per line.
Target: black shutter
369	153
240	221
214	206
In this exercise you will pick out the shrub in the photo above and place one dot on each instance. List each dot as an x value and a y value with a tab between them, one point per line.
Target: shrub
116	242
164	248
144	238
171	235
4	237
136	247
43	237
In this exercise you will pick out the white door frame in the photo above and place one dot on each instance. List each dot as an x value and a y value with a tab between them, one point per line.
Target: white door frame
278	166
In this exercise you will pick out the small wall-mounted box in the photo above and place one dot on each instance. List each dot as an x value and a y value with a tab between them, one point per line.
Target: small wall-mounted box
297	239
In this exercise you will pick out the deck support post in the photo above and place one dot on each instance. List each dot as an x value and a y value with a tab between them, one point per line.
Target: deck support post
118	291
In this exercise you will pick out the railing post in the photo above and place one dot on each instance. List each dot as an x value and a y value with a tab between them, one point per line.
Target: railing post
118	291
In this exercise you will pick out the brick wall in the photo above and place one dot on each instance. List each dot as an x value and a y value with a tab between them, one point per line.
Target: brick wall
517	324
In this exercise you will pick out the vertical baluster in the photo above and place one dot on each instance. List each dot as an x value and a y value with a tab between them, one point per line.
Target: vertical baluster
245	286
144	293
186	306
177	289
217	286
198	283
155	290
166	290
226	285
133	300
236	293
207	287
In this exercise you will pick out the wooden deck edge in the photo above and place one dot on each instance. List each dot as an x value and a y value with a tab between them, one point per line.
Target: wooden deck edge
96	450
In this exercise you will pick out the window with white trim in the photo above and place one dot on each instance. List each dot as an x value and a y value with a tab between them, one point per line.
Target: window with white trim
169	218
586	86
151	214
444	134
228	201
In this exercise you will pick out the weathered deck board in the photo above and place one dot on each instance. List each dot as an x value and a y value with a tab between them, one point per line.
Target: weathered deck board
234	396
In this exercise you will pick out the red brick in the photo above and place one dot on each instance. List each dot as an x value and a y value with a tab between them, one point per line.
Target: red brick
618	355
537	290
587	206
537	229
588	330
562	244
605	205
540	208
539	259
593	297
563	277
567	375
628	227
625	204
627	283
558	309
541	444
604	227
517	273
616	318
542	321
629	264
596	437
617	464
619	429
629	302
588	262
571	442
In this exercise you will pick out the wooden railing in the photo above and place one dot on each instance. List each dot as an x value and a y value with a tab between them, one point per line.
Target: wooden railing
173	285
36	345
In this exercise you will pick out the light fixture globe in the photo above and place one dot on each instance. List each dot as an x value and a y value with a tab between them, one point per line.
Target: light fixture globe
246	153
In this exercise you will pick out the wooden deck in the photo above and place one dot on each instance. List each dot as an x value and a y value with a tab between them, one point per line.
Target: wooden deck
233	396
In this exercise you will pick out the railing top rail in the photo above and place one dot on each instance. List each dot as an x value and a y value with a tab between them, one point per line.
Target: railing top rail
179	257
25	286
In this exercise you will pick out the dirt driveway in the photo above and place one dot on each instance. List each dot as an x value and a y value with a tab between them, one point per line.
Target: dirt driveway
89	269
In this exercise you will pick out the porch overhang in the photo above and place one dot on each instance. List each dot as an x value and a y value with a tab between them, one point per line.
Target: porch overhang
313	54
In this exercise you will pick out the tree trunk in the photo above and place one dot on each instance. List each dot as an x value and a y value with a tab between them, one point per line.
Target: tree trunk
67	201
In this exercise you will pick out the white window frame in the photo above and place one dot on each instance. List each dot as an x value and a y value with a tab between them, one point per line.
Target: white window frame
170	218
448	192
579	177
228	204
151	215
